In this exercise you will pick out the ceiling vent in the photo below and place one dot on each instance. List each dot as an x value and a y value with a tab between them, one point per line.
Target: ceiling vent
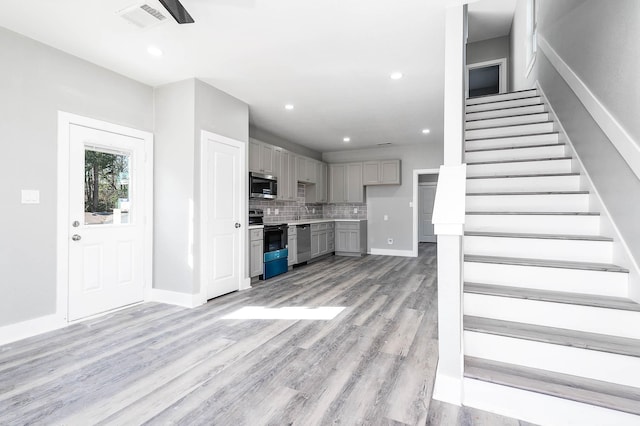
142	15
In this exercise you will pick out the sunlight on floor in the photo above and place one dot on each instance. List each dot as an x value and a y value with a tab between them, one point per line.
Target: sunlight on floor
287	313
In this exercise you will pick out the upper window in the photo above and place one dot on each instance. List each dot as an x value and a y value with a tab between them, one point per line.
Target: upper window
532	33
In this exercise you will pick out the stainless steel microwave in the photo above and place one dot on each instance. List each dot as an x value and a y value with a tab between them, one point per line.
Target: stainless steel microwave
263	186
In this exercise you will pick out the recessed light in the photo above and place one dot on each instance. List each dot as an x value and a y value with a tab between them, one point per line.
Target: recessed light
154	51
396	75
288	106
346	139
426	131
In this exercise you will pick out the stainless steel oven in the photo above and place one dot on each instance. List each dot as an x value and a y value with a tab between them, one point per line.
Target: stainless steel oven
275	250
263	186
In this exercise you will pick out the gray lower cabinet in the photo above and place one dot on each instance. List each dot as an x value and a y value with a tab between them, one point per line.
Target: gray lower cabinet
351	238
256	255
322	235
292	245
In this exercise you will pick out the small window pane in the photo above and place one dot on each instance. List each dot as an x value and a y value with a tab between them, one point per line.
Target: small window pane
106	188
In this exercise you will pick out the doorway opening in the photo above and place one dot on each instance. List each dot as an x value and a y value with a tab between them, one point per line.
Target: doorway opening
487	78
424	191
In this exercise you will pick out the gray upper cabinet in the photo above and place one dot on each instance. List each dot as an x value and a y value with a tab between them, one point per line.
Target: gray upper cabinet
262	158
345	183
305	169
284	173
384	172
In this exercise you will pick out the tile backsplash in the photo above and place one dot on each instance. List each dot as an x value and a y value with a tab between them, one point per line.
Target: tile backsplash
293	210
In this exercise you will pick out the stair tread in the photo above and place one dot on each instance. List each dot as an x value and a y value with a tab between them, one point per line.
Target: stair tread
512	125
580	389
523	176
538	213
503	100
545	263
553	335
512	136
507	116
596	301
518	161
530	193
508	108
506	148
498	94
538	236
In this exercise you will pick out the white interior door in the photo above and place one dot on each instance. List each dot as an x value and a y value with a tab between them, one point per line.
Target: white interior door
222	193
106	221
426	198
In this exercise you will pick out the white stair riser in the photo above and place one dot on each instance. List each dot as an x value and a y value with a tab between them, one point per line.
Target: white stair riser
558	315
506	112
538	248
559	279
522	184
501	97
505	121
538	408
505	104
520	168
510	141
529	203
524	129
542	224
516	154
614	368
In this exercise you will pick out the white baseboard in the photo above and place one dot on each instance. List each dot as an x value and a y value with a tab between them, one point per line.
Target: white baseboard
186	300
539	408
387	252
245	284
620	138
447	389
29	328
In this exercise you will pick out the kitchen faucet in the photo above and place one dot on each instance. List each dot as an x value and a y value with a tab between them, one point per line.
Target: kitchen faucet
303	206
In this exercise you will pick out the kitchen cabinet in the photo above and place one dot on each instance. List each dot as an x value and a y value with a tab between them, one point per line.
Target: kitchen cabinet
284	175
345	183
384	172
261	158
317	193
320	234
256	255
305	169
292	245
350	238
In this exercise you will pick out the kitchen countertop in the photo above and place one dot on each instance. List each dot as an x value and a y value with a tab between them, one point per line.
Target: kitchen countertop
256	226
308	221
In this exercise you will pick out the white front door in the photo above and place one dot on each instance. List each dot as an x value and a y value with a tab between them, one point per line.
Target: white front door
223	191
426	198
106	221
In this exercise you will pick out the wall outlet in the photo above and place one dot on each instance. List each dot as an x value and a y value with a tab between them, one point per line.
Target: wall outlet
313	210
277	211
386	217
268	211
355	210
389	241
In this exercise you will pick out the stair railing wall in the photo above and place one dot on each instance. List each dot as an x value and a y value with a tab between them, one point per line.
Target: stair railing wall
449	214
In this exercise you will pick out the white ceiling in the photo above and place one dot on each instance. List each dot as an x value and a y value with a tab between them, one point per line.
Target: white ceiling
490	19
330	58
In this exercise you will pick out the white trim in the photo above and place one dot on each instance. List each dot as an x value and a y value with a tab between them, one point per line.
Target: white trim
22	330
447	389
245	282
414	204
620	138
502	69
65	120
186	300
387	252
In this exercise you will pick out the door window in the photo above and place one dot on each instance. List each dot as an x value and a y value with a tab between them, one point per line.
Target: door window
107	195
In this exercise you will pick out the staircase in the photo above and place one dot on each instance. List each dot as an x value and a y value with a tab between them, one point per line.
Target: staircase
546	313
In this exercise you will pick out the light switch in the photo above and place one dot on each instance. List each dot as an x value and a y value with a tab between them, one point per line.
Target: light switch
386	217
268	211
355	210
277	211
30	196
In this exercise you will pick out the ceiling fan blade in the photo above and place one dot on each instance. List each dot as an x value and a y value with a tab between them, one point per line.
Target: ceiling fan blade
177	10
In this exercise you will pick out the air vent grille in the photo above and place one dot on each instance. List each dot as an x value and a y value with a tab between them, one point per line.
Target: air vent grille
142	15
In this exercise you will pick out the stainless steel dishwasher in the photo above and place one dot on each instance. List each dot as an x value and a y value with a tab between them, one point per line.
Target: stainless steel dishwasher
303	233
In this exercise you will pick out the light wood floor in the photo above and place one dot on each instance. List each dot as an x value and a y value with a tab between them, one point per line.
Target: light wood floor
374	363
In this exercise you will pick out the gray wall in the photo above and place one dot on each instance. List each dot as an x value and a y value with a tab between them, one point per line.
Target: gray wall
392	200
183	110
598	41
488	50
37	81
263	136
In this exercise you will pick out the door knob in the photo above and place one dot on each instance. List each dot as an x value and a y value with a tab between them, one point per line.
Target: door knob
76	237
238	225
